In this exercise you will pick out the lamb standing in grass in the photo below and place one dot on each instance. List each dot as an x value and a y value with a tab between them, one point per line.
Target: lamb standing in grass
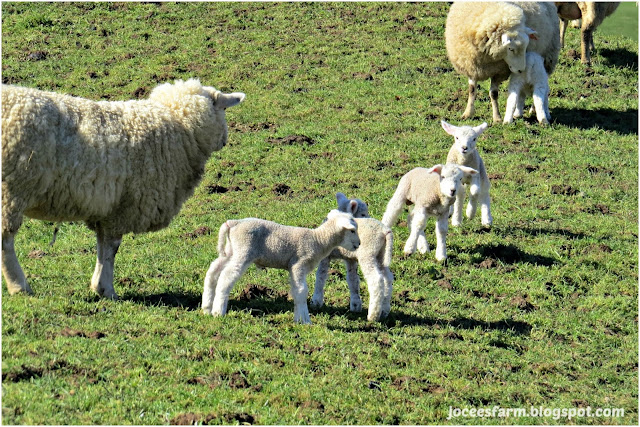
432	191
464	152
122	167
488	40
532	82
374	258
268	244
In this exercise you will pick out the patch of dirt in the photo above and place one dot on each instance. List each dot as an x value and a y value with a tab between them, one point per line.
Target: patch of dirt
363	76
253	291
564	190
495	176
531	168
36	254
216	189
25	373
282	189
523	303
573	54
598	248
68	332
292	140
445	284
405	382
601	170
190	419
38	55
488	263
252	127
140	93
200	231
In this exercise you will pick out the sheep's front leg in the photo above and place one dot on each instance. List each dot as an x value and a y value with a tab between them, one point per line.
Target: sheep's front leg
473	92
317	300
474	193
299	293
418	222
102	280
493	94
11	270
353	280
442	227
456	218
210	283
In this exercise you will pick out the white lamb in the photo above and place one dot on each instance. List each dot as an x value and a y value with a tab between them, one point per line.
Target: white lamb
122	167
268	244
464	152
488	40
532	82
432	191
374	258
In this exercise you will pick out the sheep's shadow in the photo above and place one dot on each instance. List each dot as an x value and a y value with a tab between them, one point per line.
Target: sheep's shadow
534	232
622	58
510	254
184	300
622	122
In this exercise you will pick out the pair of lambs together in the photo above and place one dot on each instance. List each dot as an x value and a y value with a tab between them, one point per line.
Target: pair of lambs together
519	41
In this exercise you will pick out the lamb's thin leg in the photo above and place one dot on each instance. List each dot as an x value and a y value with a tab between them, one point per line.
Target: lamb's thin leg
418	222
299	293
442	226
474	193
493	94
542	109
11	270
374	276
470	111
102	280
210	282
563	28
353	280
233	269
317	299
512	103
456	218
388	290
485	208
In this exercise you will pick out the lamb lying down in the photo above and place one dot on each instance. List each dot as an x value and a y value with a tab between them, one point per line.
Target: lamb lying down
268	244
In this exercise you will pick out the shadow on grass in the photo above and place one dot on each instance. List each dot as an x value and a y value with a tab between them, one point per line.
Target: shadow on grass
534	232
620	58
510	254
623	122
184	300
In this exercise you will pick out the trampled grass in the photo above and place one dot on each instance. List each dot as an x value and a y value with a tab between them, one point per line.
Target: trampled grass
542	310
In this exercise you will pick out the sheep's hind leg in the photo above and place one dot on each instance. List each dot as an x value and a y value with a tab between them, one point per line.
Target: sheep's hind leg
299	293
230	274
470	111
317	300
418	222
102	280
353	280
374	276
13	274
210	282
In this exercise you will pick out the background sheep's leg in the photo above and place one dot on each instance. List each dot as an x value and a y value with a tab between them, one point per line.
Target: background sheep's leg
493	94
353	280
102	280
418	222
210	282
299	293
442	226
456	218
11	270
317	300
585	45
230	274
470	111
563	28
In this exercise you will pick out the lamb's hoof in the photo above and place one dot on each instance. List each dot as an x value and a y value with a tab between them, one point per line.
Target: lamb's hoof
355	306
456	223
25	289
544	122
441	258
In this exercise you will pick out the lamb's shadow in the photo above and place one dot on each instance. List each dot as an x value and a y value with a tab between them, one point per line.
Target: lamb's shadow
622	58
622	122
534	232
185	300
510	254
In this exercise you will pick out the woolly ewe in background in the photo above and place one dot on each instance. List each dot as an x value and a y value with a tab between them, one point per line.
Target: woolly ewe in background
122	167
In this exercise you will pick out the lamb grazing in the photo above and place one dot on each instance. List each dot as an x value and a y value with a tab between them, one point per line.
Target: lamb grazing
374	257
464	152
432	191
122	167
592	14
488	40
268	244
532	82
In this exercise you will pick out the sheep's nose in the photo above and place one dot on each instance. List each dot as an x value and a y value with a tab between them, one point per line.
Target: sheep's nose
453	192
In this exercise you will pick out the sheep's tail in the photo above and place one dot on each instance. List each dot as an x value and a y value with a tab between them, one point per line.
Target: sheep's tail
388	247
223	238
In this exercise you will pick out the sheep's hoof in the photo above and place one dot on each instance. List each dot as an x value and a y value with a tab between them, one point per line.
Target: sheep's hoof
17	290
316	303
355	306
544	122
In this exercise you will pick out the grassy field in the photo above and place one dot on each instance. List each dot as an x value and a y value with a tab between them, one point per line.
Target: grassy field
542	310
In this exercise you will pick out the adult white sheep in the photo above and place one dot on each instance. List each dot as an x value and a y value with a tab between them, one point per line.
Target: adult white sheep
488	40
268	244
464	152
432	192
592	14
373	256
122	167
532	82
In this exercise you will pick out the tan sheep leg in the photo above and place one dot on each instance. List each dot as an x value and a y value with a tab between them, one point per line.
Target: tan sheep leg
11	270
102	280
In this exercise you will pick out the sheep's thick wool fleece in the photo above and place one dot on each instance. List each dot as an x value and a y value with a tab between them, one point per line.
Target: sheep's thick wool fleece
129	165
423	189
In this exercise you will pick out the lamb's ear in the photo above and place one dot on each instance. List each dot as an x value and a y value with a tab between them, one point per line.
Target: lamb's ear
346	222
342	200
226	100
436	169
450	129
533	35
353	207
467	171
481	128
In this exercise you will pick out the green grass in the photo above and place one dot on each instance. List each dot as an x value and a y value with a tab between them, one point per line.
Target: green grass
542	310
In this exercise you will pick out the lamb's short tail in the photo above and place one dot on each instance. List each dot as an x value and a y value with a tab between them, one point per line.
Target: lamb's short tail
223	238
394	207
388	247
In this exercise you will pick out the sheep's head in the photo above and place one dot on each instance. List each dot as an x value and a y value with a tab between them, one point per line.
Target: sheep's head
355	207
347	225
451	176
514	45
465	136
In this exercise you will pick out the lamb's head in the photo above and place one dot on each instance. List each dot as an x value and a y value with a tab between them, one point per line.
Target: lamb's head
347	226
465	136
451	176
514	47
355	207
201	109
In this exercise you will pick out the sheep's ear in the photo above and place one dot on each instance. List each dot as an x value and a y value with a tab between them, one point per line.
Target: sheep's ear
481	128
467	171
436	169
226	100
531	33
342	200
450	129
